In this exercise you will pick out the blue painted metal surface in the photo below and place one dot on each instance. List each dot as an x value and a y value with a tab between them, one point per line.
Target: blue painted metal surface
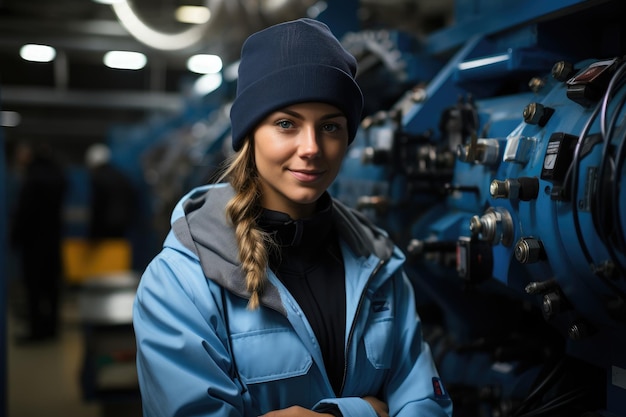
482	17
498	110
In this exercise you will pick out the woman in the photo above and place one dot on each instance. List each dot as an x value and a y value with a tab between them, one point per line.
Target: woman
269	297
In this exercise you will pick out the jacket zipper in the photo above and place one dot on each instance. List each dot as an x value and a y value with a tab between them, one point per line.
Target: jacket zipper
356	315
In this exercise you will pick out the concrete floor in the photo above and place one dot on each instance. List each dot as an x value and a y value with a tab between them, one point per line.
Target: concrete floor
44	379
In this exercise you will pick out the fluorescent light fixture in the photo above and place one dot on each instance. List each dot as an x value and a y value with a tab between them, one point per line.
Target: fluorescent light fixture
10	118
196	15
38	53
204	64
125	60
155	38
108	1
482	62
207	84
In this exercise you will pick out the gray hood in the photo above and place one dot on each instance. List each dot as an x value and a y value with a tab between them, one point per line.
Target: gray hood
202	227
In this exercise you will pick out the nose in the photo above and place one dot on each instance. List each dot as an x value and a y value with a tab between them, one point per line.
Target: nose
309	143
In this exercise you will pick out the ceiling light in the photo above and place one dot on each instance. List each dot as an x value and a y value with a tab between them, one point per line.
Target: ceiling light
125	60
204	64
37	53
196	15
10	118
108	1
155	38
207	83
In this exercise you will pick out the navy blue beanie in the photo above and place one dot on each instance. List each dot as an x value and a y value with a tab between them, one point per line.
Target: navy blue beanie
293	62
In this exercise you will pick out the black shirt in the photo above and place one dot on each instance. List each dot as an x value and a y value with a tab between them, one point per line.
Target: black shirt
310	265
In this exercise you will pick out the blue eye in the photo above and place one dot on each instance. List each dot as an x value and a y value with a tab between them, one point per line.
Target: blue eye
330	127
284	124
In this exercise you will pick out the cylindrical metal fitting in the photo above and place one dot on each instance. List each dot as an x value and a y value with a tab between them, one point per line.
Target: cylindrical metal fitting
537	287
536	84
475	225
508	188
528	250
495	226
498	189
551	305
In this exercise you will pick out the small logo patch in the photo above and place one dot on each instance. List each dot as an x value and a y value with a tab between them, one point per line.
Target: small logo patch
439	390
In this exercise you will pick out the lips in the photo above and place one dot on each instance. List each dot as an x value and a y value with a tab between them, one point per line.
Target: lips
306	176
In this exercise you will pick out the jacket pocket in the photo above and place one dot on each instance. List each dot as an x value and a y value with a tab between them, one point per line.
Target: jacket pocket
269	355
379	342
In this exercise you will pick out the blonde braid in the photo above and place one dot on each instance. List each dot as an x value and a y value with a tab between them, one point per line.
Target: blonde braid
243	210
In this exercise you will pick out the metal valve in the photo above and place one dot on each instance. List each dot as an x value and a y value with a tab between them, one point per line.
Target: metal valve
480	151
495	226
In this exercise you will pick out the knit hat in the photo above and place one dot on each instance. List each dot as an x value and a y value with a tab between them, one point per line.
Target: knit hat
289	63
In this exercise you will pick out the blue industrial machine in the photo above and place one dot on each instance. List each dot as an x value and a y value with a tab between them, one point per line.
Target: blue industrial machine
502	176
493	152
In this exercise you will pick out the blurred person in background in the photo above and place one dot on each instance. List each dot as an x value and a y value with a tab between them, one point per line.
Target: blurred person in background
36	235
112	196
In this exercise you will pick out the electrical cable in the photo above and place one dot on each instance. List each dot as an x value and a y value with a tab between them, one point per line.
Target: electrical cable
606	138
617	81
608	167
616	193
573	172
618	161
539	390
557	402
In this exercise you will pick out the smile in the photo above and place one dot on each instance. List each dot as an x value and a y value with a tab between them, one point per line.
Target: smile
307	176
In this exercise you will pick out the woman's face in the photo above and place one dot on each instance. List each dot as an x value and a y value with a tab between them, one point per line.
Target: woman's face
298	151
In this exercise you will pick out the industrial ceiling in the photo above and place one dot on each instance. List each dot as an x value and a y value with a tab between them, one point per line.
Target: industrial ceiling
73	101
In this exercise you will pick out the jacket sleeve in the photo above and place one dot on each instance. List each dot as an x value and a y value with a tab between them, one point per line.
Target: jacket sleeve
183	362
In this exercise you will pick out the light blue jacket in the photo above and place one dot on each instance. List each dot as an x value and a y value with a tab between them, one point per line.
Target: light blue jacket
201	352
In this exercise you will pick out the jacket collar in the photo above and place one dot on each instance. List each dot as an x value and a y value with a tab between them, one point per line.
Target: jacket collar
205	231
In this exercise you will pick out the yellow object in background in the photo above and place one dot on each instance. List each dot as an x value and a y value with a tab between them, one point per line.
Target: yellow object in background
86	259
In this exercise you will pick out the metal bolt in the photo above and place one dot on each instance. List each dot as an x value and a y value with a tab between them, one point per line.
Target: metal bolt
475	225
533	113
551	305
536	84
562	70
528	250
499	189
